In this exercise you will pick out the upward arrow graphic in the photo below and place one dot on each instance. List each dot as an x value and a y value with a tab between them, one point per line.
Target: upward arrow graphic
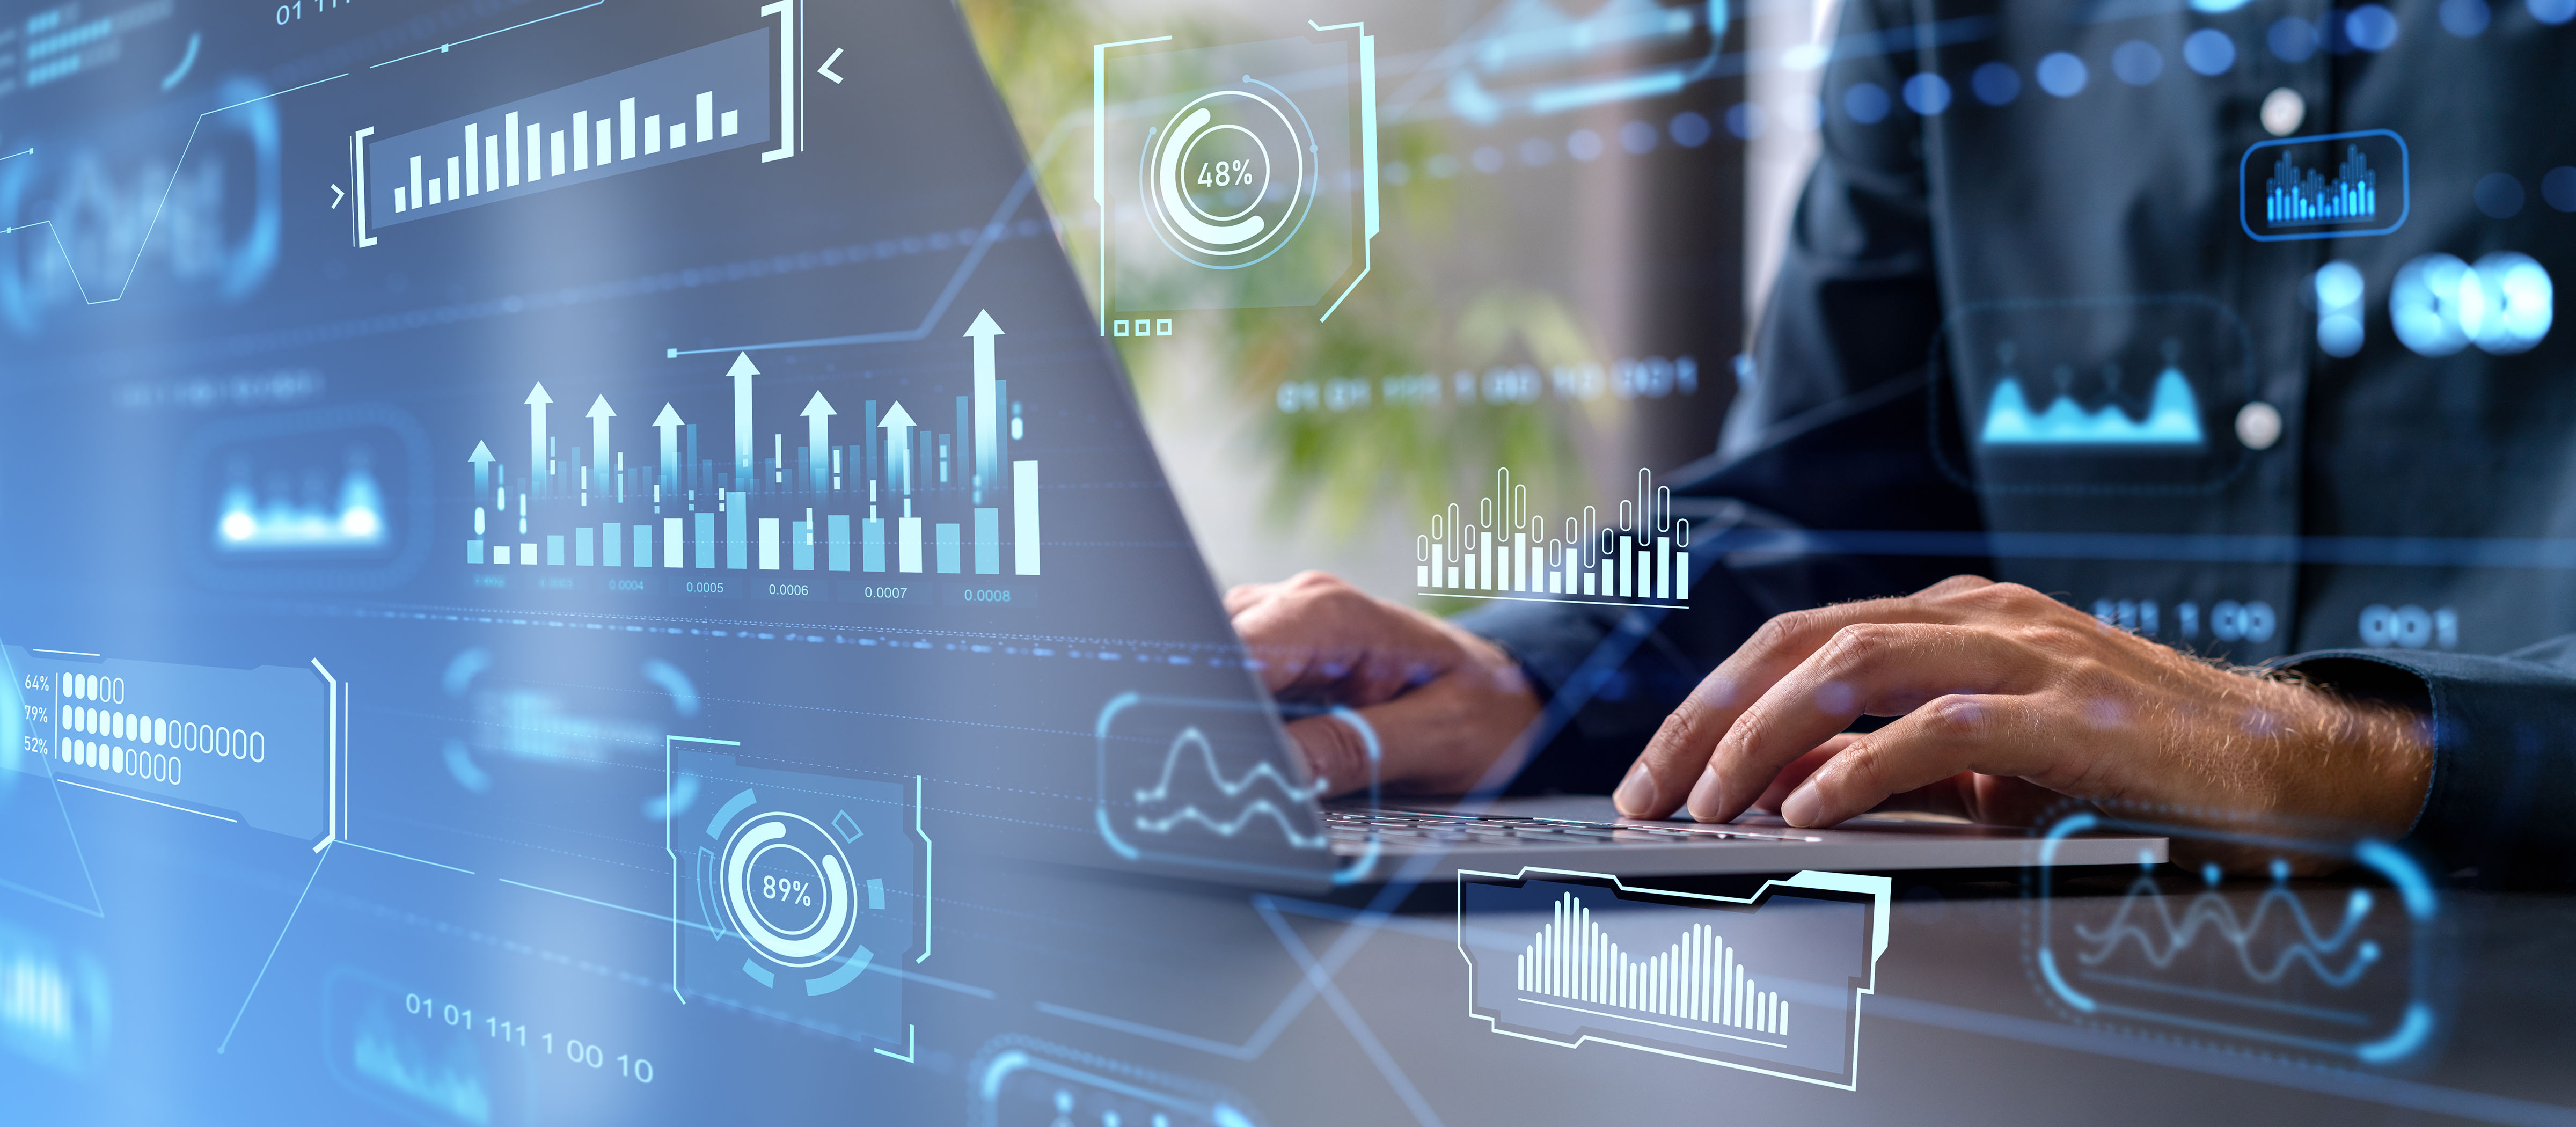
537	400
600	413
668	422
818	432
988	423
743	457
482	459
898	428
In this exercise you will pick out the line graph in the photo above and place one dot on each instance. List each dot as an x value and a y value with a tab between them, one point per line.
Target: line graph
2338	972
175	168
2209	911
1197	782
1191	738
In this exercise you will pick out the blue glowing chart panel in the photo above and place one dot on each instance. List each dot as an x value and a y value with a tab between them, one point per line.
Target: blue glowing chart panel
1769	983
2331	971
2119	395
2330	186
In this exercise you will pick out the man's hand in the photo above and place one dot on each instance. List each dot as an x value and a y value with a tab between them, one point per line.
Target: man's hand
2011	702
1446	704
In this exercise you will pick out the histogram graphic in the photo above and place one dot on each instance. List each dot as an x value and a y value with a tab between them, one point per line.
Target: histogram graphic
696	103
2290	198
1696	978
1769	982
575	505
2172	410
1507	552
2339	972
2330	186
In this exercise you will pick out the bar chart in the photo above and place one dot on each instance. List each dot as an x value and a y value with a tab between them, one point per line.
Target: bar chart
1697	978
2290	197
918	490
2327	186
696	103
1504	551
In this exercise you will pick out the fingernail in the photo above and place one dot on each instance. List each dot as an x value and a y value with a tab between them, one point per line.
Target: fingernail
1636	794
1803	806
1704	795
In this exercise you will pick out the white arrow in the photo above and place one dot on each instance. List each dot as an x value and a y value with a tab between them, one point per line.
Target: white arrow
482	459
336	196
898	428
818	432
826	69
668	422
537	400
600	413
988	433
742	451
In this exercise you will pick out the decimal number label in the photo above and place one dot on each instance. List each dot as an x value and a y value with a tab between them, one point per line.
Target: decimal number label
729	587
879	591
789	588
986	595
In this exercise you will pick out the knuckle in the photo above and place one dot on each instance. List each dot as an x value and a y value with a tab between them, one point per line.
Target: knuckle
1955	716
1783	630
1862	767
1861	642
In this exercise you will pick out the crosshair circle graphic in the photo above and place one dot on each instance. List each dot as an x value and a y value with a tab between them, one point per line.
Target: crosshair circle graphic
805	913
1230	176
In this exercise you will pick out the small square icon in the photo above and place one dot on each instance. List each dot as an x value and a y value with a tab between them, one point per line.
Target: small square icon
1163	328
1118	328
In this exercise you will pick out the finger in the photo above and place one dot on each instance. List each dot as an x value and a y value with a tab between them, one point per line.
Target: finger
1677	757
1798	770
1880	669
1244	596
1443	738
1988	735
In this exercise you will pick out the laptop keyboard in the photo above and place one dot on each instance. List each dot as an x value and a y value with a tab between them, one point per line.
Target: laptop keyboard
1361	827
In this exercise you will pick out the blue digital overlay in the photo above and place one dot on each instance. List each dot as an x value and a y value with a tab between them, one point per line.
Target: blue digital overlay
1212	783
1020	1081
2332	185
2331	970
259	747
791	890
2132	395
1769	983
1213	160
2172	419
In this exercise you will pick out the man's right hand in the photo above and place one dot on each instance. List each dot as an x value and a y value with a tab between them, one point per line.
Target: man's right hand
1446	705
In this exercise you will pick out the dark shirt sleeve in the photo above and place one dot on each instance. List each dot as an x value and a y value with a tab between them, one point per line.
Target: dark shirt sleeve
1829	434
2504	763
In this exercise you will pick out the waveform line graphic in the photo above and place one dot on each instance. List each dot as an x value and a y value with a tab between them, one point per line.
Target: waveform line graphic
1161	791
162	204
1697	978
2208	909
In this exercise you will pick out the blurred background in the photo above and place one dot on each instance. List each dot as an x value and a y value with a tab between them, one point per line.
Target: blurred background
1582	202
